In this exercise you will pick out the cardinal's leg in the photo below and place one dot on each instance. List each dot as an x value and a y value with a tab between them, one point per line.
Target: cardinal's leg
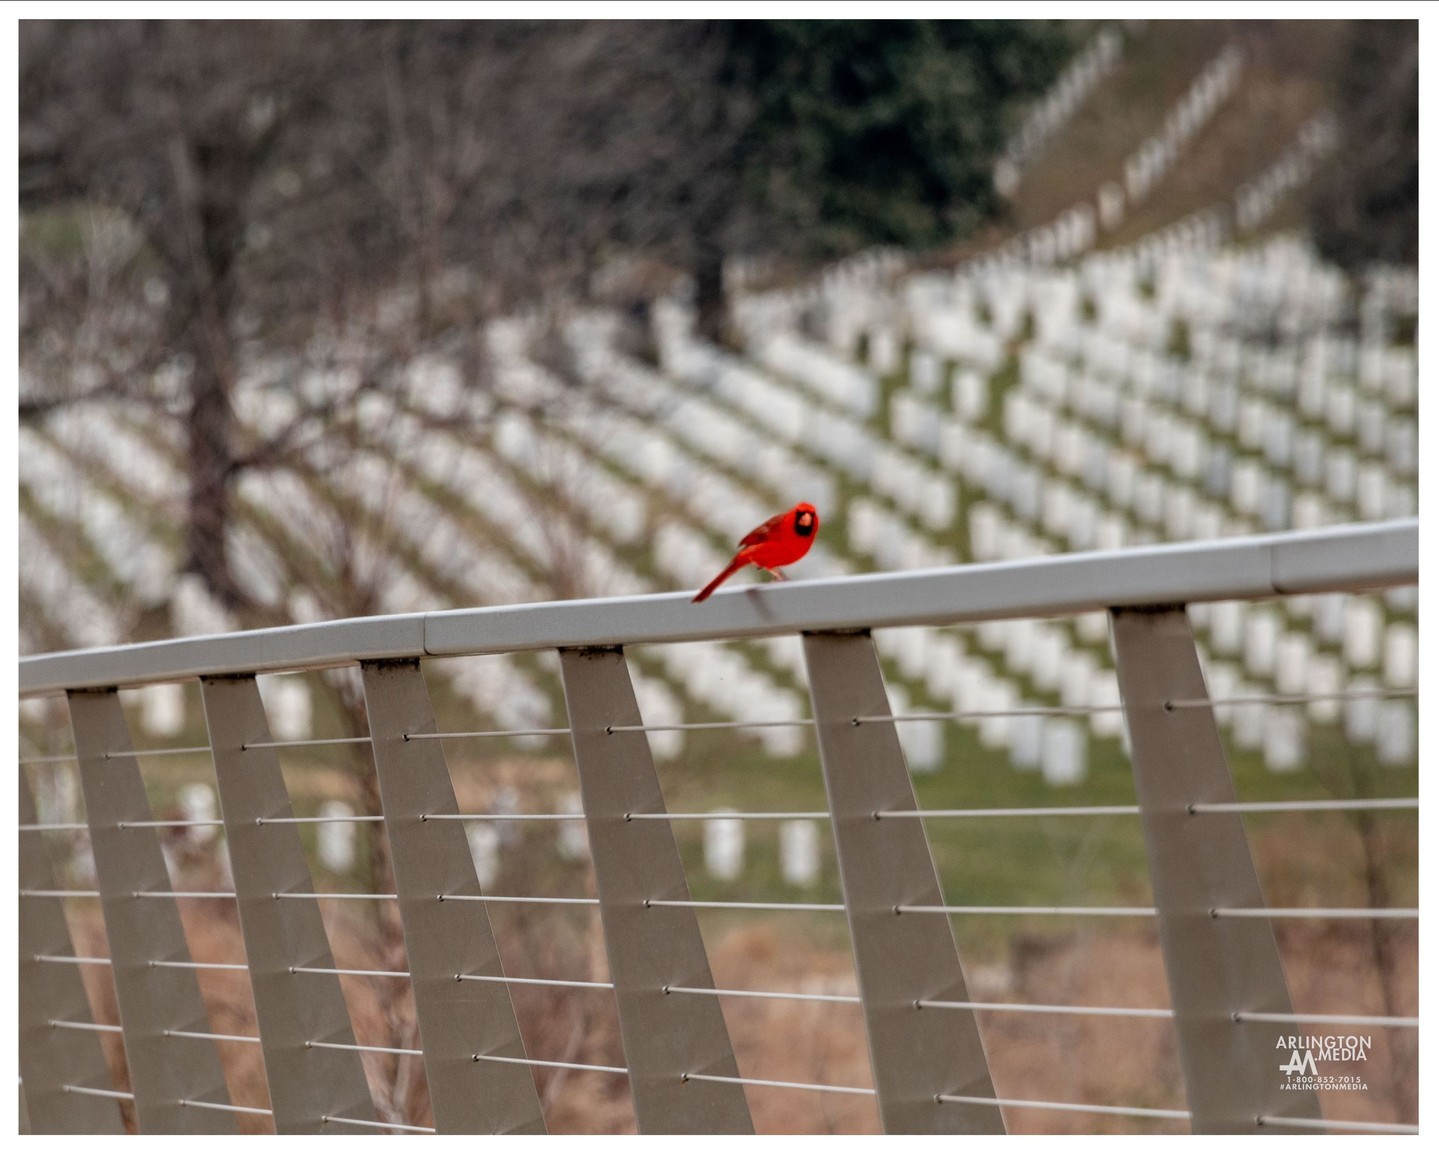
779	575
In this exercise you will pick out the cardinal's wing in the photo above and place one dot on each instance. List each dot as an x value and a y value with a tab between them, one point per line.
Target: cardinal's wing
765	531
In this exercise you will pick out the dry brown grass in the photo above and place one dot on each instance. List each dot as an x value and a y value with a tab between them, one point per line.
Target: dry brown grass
1331	968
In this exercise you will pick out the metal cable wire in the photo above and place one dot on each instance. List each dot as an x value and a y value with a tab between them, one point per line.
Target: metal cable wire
147	752
211	1035
363	1047
717	725
304	742
1331	1020
1050	1105
375	1123
75	1089
1244	700
347	971
1337	1124
695	1076
76	1025
235	1107
548	1063
412	735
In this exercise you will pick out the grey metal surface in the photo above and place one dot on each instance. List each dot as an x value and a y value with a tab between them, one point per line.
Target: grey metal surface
649	948
1332	559
265	649
291	1009
152	1000
915	1054
1199	862
51	1057
432	858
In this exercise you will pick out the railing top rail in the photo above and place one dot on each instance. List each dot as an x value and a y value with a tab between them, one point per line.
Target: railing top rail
1345	558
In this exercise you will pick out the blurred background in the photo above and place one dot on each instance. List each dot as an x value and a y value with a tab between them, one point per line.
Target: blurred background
320	320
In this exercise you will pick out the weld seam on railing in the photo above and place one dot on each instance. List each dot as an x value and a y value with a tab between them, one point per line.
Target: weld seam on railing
235	1107
1051	1009
347	971
364	1047
75	1089
211	1035
828	1087
71	1025
375	1123
549	1063
1340	1124
1335	1020
1050	1105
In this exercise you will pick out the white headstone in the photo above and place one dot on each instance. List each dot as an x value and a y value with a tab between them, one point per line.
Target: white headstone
1284	740
287	706
197	802
1361	712
1362	623
1394	733
1292	655
484	841
1065	749
1401	655
335	842
163	709
799	852
1026	741
1261	634
724	847
573	842
1323	679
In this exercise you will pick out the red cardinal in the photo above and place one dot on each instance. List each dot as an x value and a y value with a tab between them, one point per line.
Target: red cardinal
775	543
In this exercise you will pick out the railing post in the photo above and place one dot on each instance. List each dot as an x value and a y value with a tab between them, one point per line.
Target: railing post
883	864
1200	862
164	1071
649	948
292	1009
444	939
52	1057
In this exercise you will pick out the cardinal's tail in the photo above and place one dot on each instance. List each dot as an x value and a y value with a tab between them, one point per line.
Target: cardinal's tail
734	566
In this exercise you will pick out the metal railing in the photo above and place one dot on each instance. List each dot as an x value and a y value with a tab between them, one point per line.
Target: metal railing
1230	1003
